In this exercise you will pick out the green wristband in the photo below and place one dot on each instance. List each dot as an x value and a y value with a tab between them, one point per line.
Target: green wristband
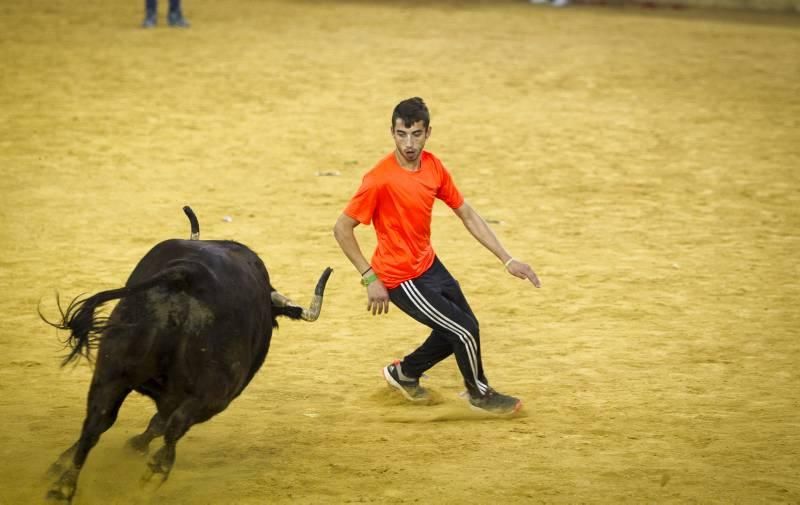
366	281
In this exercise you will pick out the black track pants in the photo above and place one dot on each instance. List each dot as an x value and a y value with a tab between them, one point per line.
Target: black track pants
435	300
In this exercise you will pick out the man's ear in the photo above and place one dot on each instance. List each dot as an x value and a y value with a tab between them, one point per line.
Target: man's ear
428	133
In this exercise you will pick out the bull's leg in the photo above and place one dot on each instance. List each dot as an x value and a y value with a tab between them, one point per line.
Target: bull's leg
189	413
63	461
105	399
141	443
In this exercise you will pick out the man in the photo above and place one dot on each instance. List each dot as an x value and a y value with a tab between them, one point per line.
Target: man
397	196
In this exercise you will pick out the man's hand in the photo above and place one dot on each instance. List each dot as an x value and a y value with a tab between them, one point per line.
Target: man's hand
523	271
377	298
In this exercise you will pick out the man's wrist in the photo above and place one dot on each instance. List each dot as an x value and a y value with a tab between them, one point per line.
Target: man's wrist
368	278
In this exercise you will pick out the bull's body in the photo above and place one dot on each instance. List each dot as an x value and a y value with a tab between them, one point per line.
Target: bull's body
191	329
204	332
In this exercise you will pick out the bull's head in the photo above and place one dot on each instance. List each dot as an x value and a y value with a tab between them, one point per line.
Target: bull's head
312	312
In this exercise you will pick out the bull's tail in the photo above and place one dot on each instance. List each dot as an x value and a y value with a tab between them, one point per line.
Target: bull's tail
86	327
192	222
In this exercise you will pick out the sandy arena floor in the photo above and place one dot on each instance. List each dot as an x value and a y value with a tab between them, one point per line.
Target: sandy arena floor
645	162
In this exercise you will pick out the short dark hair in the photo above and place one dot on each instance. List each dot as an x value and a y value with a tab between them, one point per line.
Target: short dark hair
410	111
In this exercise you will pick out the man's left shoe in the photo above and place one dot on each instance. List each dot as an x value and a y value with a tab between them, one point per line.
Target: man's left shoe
176	19
410	388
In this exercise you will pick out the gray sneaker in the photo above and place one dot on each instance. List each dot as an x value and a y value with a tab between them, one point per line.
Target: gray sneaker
494	402
410	388
176	19
150	20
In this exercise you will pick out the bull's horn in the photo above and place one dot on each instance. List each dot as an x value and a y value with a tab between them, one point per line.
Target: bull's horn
312	313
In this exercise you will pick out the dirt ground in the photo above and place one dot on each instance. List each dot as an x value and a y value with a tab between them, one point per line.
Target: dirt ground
645	162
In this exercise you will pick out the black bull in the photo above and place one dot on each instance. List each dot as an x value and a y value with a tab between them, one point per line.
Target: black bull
191	329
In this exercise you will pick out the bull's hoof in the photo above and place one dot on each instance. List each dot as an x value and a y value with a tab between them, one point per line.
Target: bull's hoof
160	465
63	490
155	475
57	496
138	444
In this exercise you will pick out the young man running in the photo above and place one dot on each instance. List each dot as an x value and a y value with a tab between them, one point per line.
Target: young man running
397	197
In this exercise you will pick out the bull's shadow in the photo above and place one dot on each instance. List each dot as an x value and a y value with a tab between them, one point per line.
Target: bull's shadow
192	327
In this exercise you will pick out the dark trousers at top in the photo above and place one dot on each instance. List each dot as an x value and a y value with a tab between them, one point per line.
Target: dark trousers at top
435	300
151	5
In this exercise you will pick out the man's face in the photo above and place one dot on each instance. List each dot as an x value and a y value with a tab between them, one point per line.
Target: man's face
410	140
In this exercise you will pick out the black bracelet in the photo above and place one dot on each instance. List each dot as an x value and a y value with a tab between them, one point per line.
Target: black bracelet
365	271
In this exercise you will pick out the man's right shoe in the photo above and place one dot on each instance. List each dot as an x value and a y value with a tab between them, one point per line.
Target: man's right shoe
150	20
410	388
494	402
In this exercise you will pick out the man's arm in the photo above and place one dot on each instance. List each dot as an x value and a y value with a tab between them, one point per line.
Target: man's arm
346	237
377	295
481	231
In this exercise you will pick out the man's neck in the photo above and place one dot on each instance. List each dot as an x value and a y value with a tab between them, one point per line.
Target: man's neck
412	166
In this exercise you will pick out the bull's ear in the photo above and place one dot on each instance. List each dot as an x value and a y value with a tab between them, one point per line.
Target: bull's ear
290	311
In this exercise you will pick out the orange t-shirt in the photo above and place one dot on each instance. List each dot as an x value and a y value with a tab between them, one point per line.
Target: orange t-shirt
399	204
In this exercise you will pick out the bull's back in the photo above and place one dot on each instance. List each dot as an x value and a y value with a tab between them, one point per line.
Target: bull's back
230	261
